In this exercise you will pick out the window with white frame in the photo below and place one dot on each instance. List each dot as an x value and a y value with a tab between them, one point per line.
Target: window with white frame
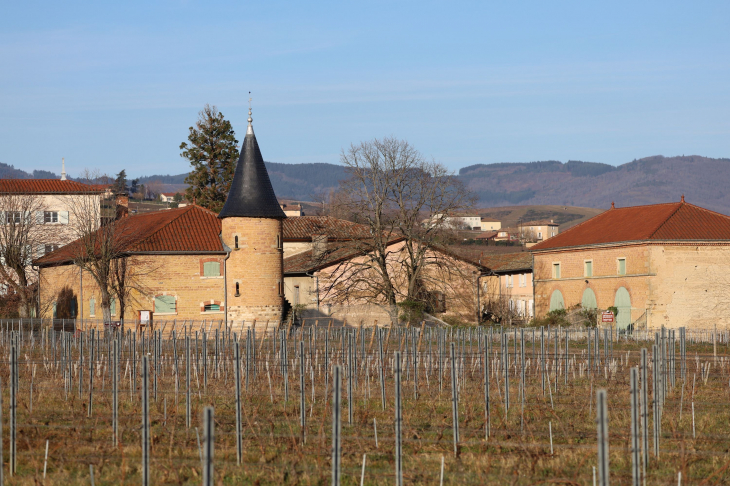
50	217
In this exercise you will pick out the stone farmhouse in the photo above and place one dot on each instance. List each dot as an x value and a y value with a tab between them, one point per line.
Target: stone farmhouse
659	265
508	290
537	231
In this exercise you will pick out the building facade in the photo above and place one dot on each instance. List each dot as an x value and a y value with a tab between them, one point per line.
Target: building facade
659	265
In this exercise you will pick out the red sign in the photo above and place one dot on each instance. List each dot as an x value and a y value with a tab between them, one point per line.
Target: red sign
607	317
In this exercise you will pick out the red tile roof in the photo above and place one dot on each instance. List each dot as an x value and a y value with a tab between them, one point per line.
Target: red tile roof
191	229
657	222
304	227
48	186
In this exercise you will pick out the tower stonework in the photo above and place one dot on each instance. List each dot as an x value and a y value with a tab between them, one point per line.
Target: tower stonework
251	222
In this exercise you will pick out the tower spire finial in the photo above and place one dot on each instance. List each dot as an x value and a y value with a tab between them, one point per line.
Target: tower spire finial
63	168
249	130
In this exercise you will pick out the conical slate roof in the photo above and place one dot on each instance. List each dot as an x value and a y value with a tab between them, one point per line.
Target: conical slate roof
251	194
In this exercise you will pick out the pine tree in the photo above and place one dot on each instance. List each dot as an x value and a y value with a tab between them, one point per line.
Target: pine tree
212	152
120	183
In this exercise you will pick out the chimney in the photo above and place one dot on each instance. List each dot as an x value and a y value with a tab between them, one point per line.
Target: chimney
319	246
63	169
122	206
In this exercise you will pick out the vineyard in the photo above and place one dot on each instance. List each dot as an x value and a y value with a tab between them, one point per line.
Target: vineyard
202	404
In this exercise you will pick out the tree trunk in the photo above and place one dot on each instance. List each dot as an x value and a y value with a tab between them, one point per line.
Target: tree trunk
106	308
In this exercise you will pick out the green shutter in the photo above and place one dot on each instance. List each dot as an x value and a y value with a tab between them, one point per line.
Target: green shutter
164	304
211	269
622	266
556	301
92	306
623	304
589	299
589	269
113	306
212	308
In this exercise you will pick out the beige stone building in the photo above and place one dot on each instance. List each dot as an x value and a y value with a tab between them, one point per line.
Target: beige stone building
488	224
537	231
659	265
508	289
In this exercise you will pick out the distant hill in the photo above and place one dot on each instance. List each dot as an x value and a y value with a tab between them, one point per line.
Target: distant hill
565	216
10	172
293	181
650	180
644	181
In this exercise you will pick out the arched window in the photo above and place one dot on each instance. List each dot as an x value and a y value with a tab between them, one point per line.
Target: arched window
589	299
623	304
556	301
235	242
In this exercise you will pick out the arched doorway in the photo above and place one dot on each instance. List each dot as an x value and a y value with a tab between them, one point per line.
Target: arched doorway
623	304
556	301
589	299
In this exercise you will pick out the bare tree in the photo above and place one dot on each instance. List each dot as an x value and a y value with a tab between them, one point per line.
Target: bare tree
22	238
100	240
391	188
127	279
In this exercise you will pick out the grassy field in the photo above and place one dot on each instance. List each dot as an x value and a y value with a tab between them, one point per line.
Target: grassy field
518	450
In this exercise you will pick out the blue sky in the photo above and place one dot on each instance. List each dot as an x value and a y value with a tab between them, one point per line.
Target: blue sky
116	85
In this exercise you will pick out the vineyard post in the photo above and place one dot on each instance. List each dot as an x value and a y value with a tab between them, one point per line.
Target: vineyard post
239	444
485	369
302	402
399	422
208	475
602	423
336	424
454	402
644	413
635	446
145	422
91	377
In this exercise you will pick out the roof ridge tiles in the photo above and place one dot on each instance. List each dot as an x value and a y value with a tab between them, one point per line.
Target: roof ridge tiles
666	220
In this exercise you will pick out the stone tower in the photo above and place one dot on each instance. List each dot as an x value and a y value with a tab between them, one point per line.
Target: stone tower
252	229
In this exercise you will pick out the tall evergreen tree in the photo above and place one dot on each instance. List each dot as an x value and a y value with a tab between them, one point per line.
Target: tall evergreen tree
120	183
212	152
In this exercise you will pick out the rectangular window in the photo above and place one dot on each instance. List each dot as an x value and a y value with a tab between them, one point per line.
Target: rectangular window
622	266
556	270
165	304
211	269
92	307
588	270
113	306
51	247
523	280
539	235
12	217
50	216
212	308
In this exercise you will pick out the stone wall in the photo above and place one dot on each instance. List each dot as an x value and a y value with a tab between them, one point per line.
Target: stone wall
604	282
692	287
177	275
256	266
